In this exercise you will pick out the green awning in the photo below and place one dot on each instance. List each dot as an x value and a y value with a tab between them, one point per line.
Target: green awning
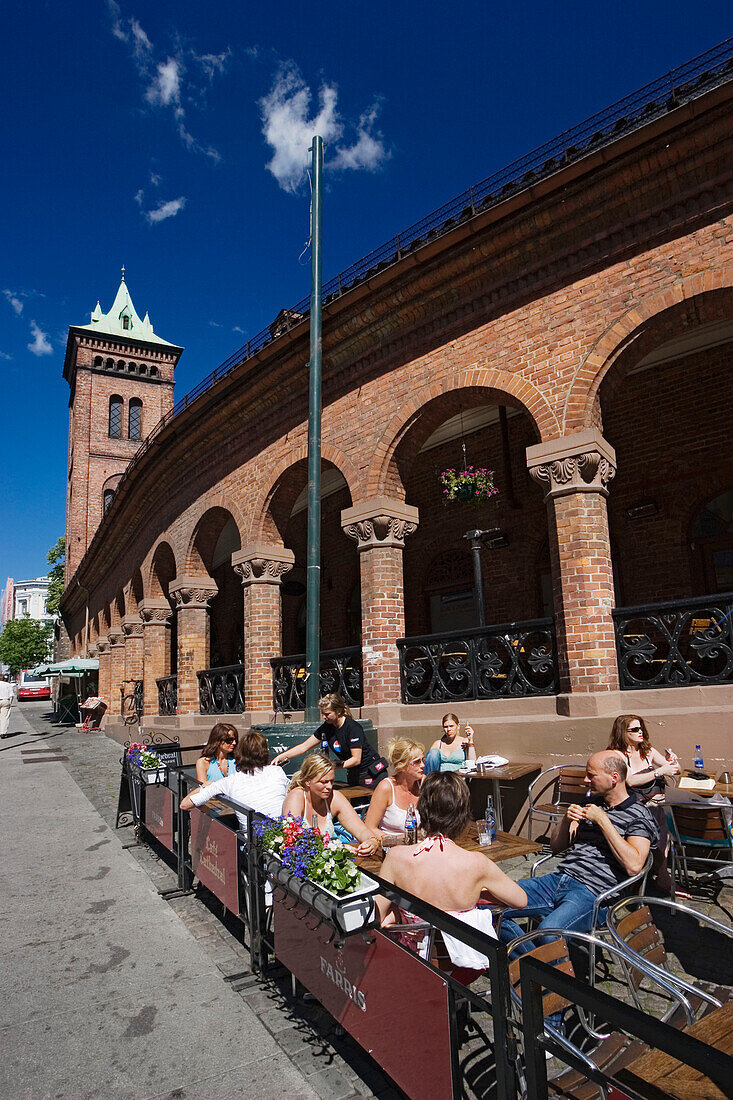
75	666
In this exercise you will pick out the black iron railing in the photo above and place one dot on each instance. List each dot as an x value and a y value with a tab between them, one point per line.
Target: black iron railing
341	671
508	660
138	696
221	690
675	88
167	694
676	643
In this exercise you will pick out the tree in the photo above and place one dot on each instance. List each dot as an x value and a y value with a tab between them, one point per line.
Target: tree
55	558
24	643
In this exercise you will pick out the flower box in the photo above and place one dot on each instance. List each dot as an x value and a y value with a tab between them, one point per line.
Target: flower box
347	913
153	775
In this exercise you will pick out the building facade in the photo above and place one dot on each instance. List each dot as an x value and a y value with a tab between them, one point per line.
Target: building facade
572	331
29	598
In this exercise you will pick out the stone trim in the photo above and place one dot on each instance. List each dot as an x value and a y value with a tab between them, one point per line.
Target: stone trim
154	611
103	647
115	638
132	626
262	563
192	591
380	521
580	463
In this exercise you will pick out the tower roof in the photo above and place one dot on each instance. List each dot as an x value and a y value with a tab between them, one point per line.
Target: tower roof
122	320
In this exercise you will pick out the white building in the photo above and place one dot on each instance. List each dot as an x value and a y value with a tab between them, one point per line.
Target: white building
29	598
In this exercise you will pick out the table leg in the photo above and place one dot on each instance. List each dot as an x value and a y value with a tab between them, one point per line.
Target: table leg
497	803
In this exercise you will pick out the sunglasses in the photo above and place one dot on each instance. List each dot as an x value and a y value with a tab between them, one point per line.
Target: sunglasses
633	729
229	740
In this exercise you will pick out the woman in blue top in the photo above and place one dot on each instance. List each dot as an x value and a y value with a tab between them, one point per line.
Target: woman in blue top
450	752
216	760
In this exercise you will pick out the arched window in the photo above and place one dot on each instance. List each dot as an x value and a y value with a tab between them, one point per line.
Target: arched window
135	418
131	368
97	360
153	370
120	364
143	369
109	363
107	498
115	416
125	321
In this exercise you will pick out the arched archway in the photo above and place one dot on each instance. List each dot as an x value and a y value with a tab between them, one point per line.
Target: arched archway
162	572
215	538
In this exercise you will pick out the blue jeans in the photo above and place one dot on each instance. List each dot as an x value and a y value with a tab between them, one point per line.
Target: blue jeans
561	902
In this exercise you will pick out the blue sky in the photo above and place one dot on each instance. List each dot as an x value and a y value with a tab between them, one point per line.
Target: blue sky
169	137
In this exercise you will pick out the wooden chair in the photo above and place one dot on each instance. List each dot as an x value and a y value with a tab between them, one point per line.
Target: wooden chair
558	787
704	828
631	926
606	1052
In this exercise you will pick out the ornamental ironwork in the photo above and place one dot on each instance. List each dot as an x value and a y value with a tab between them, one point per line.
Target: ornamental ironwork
676	643
221	690
509	660
167	695
340	671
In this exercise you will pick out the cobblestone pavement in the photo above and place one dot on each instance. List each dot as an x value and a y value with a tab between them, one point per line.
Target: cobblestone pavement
333	1066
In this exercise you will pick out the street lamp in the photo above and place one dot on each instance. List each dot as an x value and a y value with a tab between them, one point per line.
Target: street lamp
494	538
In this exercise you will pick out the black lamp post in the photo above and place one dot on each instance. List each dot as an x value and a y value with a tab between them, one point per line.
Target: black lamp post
495	538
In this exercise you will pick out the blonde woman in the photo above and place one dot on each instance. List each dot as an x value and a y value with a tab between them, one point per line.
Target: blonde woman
346	739
311	796
392	799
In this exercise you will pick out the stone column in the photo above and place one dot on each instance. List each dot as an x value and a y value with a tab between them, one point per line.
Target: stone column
192	596
575	472
379	527
105	659
116	641
154	614
261	567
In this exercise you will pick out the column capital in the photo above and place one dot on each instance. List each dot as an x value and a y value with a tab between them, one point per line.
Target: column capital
93	650
380	521
132	626
154	610
580	463
102	647
262	563
115	638
192	591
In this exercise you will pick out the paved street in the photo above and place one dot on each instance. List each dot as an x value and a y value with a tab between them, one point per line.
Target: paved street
108	990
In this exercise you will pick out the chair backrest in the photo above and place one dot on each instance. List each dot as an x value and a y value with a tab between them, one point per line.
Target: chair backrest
639	932
571	785
703	823
555	954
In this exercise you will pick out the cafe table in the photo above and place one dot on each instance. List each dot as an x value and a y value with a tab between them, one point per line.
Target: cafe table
675	1079
507	773
506	846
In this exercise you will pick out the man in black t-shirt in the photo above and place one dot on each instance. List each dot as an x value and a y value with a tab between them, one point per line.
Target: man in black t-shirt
609	837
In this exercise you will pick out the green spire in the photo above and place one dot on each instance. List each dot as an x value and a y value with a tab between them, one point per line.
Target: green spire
122	319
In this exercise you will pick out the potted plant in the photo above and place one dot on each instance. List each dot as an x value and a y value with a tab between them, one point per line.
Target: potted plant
319	871
472	484
152	770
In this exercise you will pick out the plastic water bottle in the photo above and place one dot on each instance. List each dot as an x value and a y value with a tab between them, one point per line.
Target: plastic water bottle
699	762
411	825
490	819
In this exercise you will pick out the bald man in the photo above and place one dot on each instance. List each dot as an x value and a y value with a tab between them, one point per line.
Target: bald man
608	836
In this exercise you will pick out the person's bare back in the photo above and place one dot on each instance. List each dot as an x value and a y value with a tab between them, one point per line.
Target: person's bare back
446	876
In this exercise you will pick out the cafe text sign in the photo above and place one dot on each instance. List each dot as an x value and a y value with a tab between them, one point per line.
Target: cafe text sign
377	991
214	858
159	814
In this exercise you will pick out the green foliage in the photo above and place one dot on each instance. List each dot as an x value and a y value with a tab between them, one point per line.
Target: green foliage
55	558
24	643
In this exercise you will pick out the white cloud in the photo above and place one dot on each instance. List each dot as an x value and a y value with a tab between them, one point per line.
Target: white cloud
214	324
15	300
155	179
165	210
4	355
165	88
238	329
167	84
289	128
140	197
40	344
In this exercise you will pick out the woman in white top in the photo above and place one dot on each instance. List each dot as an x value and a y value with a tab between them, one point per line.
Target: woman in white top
312	797
256	783
393	797
460	883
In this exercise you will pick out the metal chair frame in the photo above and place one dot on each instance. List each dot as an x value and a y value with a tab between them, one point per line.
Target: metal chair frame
552	777
602	899
681	840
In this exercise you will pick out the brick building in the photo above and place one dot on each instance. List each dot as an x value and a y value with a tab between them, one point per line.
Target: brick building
567	325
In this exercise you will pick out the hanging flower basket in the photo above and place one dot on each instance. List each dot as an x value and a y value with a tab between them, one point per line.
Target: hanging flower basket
472	485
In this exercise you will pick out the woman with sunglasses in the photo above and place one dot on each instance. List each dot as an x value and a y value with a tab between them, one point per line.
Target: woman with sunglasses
387	813
216	761
647	777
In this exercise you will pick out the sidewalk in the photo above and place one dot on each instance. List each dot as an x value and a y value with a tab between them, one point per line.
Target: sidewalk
105	993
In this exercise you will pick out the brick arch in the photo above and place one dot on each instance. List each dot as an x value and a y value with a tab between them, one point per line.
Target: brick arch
159	560
222	501
261	524
581	403
497	385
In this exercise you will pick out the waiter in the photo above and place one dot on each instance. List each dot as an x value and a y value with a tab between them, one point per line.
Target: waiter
342	735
